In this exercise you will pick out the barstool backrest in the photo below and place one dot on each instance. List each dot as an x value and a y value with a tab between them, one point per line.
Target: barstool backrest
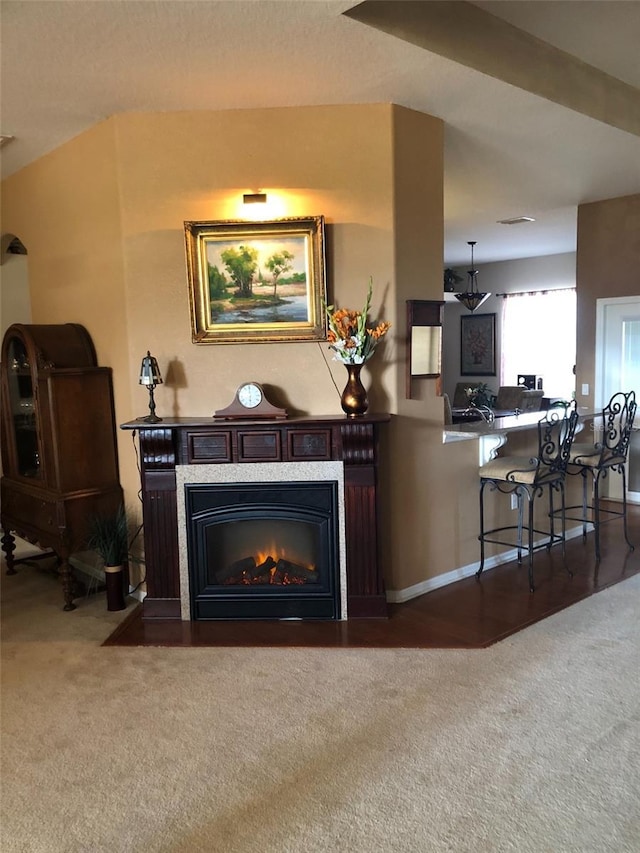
555	437
617	422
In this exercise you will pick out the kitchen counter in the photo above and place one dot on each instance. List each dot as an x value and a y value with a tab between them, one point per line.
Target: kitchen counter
494	434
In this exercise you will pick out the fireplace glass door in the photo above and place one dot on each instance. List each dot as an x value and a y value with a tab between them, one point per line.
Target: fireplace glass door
263	550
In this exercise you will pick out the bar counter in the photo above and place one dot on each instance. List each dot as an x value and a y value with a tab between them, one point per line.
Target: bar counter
492	435
511	423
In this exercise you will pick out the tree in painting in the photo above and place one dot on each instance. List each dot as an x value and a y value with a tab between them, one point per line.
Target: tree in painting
277	264
217	283
241	264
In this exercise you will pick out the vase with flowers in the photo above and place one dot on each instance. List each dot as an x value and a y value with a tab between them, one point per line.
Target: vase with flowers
353	343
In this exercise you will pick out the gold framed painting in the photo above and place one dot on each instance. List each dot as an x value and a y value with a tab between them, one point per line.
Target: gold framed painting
256	281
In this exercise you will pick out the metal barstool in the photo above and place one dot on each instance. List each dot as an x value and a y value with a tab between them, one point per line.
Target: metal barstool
596	460
528	478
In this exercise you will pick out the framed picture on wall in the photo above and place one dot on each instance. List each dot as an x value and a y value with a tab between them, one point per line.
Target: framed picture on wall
256	281
478	345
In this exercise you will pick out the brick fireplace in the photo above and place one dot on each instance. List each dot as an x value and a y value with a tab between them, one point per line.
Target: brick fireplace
197	472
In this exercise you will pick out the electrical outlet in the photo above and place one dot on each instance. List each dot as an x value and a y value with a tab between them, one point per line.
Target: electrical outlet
514	502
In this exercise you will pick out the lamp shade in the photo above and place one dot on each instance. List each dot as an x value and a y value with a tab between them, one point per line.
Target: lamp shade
472	300
149	371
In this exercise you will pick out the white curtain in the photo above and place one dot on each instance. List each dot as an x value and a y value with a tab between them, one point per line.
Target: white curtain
539	337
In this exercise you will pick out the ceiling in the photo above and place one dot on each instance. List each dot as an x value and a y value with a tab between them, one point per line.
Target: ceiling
68	64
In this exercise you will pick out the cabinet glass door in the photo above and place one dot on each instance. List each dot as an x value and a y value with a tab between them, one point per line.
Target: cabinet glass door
23	415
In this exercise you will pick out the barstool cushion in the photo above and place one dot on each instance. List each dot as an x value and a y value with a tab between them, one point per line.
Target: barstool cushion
512	469
586	453
591	456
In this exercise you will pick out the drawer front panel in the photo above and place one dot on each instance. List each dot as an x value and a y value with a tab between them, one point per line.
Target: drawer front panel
259	446
209	447
31	510
309	444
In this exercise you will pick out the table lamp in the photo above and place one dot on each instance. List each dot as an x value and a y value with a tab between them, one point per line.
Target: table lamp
150	376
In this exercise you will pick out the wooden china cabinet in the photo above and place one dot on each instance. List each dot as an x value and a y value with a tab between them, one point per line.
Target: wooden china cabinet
59	455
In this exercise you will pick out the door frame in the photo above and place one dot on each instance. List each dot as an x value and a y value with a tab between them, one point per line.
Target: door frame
600	363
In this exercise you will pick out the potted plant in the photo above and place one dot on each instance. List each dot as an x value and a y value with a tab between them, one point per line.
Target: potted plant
109	538
451	278
480	395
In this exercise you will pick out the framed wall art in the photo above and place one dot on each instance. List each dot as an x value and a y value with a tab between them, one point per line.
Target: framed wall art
478	345
256	281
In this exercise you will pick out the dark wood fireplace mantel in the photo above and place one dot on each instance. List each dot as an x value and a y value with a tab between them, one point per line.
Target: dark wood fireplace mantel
204	441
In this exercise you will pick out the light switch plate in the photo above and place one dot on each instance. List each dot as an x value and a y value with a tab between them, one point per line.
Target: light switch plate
585	389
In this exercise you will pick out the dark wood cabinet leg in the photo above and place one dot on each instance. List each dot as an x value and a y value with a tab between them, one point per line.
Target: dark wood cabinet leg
9	546
67	584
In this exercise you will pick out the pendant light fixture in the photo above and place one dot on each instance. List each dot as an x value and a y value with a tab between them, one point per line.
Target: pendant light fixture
472	299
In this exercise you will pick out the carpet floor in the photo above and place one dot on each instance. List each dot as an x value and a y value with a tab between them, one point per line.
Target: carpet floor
532	744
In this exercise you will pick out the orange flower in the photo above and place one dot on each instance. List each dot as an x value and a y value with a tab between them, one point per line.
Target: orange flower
348	334
380	330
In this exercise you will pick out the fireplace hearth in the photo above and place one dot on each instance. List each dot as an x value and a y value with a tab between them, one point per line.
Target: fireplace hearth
263	550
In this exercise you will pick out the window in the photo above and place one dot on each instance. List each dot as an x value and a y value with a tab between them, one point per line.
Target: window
539	337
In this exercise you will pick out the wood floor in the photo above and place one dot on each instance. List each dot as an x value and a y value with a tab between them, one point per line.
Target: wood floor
467	614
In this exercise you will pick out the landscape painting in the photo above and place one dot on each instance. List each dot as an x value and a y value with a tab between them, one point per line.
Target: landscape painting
256	281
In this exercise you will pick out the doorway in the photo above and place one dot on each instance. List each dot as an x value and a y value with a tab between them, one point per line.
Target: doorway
15	298
618	369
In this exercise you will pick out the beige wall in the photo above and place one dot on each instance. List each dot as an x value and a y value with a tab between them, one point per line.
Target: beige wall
429	486
65	208
333	161
608	265
103	218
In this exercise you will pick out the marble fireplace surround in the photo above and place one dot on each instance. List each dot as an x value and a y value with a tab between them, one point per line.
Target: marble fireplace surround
260	472
198	450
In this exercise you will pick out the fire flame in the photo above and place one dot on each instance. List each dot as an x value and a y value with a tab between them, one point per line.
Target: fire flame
276	576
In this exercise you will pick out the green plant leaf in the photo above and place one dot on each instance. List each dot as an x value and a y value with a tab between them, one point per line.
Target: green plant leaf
108	537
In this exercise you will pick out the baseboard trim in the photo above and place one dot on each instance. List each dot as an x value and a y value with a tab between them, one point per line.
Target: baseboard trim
399	596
